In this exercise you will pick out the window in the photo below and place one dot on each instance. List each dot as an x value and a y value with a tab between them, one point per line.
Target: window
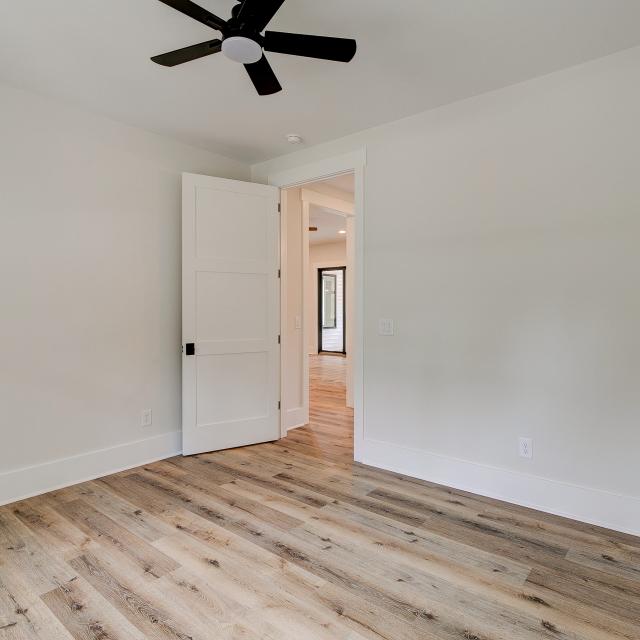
331	310
328	301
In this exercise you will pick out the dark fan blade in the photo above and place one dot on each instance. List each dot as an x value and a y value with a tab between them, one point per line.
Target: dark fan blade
195	51
297	44
263	78
192	10
258	13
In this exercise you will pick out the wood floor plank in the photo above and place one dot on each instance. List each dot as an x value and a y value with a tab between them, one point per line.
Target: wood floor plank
107	532
22	614
277	600
293	540
616	562
203	488
39	567
442	585
120	510
52	530
536	598
277	501
153	621
269	482
283	546
86	615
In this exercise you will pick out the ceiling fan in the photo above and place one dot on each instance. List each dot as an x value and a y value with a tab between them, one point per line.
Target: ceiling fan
242	41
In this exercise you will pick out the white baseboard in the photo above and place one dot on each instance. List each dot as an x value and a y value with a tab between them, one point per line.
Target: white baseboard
295	418
594	506
31	481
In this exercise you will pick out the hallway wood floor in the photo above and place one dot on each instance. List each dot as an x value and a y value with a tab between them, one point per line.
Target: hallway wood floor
291	540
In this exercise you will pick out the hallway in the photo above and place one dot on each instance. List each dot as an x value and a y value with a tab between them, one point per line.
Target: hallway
329	434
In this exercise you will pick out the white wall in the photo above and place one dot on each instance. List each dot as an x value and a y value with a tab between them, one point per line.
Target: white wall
90	292
501	234
330	254
294	389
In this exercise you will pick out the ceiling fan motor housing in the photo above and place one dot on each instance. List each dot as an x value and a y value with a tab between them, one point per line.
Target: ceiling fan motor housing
242	49
240	42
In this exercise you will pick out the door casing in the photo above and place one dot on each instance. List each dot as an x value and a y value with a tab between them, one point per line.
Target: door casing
354	162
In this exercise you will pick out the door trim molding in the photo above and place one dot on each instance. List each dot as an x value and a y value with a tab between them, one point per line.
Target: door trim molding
354	162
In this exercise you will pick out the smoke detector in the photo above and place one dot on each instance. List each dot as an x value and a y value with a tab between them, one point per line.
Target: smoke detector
294	138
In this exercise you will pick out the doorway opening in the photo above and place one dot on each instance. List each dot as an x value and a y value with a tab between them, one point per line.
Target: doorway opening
318	299
332	316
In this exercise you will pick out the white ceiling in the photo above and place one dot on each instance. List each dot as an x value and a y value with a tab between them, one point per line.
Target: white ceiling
412	55
329	223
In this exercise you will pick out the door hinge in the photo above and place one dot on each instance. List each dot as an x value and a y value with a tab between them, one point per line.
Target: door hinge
278	339
279	208
279	273
279	403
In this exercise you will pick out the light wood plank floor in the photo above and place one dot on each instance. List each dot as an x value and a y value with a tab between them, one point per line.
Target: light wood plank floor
291	540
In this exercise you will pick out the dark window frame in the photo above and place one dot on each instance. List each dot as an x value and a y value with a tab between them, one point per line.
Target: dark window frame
321	270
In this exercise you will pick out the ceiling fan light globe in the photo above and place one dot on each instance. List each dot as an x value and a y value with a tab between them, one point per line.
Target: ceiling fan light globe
241	49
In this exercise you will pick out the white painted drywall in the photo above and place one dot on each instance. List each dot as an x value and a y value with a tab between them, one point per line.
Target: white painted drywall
351	298
90	291
330	254
502	235
295	414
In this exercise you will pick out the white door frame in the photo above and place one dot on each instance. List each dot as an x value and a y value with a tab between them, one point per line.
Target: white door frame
355	163
292	417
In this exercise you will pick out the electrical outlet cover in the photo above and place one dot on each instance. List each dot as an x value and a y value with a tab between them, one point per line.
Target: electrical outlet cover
525	446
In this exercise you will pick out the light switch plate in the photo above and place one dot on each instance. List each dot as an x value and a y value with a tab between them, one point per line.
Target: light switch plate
385	327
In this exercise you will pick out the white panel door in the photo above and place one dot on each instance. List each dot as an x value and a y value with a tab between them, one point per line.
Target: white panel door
230	313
